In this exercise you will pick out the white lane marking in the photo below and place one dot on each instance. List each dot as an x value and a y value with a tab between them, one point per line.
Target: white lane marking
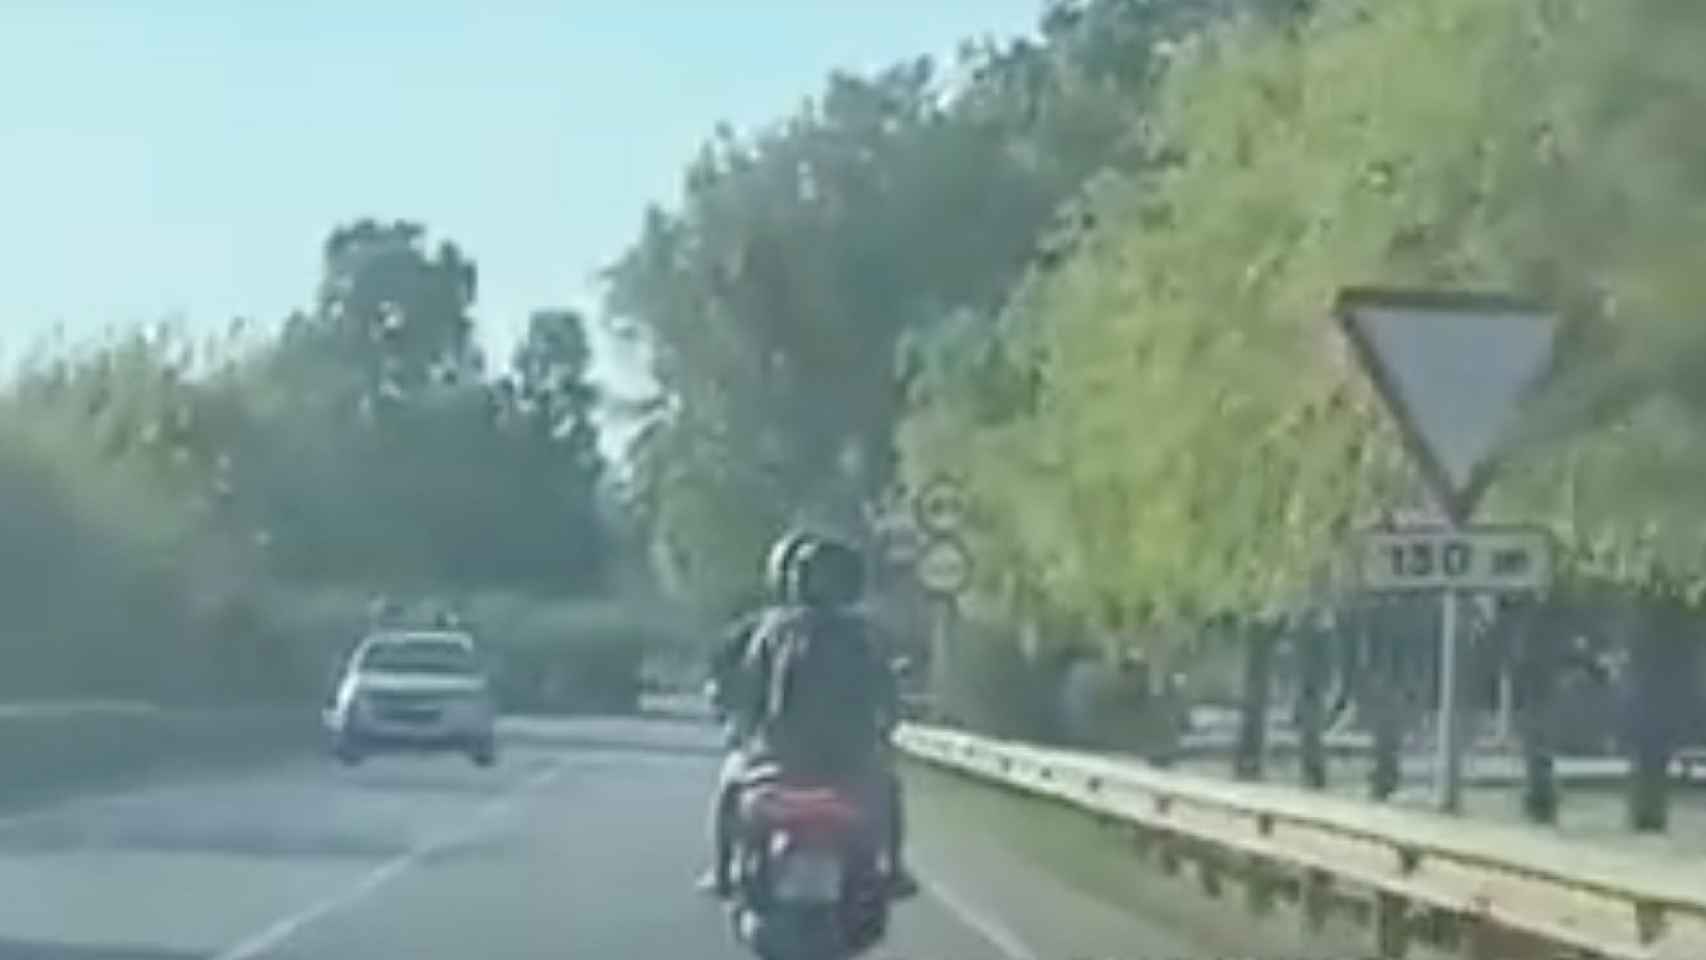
289	926
981	923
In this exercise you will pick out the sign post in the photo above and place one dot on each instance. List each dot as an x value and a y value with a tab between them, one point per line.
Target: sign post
943	565
1448	752
1453	370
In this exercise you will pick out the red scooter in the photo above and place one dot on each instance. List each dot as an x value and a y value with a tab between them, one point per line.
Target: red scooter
807	878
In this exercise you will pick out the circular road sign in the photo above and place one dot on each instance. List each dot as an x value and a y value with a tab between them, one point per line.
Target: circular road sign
940	506
944	566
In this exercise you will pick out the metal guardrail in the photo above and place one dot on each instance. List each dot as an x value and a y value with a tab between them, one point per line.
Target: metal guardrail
1486	891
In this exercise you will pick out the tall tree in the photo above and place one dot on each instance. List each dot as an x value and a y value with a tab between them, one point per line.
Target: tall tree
774	300
390	320
382	451
554	398
1165	422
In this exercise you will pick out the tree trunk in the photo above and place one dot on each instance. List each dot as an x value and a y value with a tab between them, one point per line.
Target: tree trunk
1312	668
1536	672
1253	725
1348	659
942	624
1649	789
1651	711
1382	697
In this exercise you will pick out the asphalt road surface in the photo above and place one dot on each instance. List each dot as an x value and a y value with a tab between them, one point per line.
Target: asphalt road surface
582	843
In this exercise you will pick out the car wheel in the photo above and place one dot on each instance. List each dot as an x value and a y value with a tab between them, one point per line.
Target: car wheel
484	755
348	751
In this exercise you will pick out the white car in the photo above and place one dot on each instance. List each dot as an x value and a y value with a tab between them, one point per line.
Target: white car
413	690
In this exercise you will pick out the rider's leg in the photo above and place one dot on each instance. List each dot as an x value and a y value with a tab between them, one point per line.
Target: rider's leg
901	881
723	812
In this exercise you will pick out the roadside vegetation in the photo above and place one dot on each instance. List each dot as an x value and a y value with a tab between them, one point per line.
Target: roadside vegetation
1086	272
1089	275
196	520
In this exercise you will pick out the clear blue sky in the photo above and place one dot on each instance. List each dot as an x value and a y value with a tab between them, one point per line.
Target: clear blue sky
185	157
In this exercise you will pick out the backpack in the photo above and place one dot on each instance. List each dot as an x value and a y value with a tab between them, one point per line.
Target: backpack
820	707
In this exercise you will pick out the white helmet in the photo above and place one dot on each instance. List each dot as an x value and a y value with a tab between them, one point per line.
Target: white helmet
778	565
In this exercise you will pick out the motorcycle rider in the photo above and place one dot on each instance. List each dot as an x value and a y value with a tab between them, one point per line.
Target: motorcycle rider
826	693
734	699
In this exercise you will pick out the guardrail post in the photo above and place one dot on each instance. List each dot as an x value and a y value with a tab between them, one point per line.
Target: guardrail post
1409	858
1317	899
1259	888
1649	921
1438	927
1169	855
1478	935
1142	841
1208	874
1391	926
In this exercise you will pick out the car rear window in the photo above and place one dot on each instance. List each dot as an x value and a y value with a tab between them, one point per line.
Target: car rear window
420	656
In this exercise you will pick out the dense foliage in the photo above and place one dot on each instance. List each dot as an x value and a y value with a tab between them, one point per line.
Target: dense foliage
203	492
1090	275
1087	272
1163	422
779	300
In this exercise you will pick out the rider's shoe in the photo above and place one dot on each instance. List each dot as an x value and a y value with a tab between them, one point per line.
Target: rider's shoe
902	885
712	885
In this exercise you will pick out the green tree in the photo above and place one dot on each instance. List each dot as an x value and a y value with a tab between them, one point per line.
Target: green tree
553	399
229	504
1189	436
1163	423
376	450
773	302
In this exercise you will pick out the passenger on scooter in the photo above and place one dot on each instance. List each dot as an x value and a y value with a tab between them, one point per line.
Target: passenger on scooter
736	702
827	693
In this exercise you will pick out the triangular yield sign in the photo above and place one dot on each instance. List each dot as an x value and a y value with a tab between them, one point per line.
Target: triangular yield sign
1453	369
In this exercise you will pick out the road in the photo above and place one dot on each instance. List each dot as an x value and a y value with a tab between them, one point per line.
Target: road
582	843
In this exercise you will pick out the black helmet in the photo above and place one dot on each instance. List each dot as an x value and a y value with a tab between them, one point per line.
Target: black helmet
779	578
828	573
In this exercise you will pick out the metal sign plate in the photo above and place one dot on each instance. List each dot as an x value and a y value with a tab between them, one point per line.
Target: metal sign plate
1453	369
944	566
1437	558
941	506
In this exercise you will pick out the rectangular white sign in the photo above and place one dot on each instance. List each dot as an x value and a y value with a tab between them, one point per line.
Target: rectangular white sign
1434	558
